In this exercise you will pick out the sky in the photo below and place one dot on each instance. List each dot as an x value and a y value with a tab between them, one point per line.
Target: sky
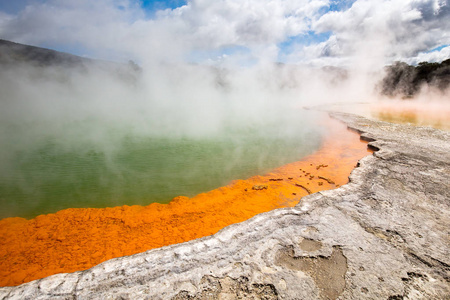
235	32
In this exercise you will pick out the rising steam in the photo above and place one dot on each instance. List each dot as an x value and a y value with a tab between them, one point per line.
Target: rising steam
90	117
232	73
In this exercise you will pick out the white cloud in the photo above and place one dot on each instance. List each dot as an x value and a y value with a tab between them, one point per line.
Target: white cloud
388	30
120	25
320	54
5	19
95	24
247	23
379	30
433	56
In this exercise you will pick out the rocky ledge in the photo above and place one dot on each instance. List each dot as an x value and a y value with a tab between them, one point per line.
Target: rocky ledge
384	235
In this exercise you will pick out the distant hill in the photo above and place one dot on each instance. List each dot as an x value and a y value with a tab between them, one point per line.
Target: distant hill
18	55
11	53
405	80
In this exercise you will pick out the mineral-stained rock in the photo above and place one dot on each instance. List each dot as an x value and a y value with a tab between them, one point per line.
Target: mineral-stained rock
385	235
259	187
327	180
304	187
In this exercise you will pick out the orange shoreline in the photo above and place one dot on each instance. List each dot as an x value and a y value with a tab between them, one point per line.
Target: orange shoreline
77	239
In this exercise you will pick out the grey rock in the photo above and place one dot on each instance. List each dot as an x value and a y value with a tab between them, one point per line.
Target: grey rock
384	235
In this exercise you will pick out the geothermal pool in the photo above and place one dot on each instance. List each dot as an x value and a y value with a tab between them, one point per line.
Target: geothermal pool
76	239
49	166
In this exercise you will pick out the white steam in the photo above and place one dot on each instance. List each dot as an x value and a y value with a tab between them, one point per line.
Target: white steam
207	68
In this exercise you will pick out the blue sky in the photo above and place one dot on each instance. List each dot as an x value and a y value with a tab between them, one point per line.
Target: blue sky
159	4
292	31
15	6
12	6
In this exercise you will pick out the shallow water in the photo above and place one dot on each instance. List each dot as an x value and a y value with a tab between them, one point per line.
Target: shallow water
413	112
97	164
434	115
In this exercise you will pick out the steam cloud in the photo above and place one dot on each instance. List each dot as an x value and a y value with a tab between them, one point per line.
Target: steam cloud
244	36
204	66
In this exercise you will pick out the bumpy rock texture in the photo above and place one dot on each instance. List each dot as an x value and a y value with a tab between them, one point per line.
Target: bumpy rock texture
385	235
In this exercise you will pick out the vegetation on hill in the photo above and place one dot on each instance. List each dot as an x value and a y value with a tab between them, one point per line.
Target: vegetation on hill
406	81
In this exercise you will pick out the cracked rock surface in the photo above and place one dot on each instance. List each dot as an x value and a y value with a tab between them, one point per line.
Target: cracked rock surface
385	235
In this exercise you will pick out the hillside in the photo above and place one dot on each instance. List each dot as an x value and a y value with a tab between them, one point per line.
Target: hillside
15	55
11	52
406	81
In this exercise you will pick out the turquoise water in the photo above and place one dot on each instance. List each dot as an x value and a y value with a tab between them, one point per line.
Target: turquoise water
46	167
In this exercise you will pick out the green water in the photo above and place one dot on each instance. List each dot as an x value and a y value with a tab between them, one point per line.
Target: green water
45	168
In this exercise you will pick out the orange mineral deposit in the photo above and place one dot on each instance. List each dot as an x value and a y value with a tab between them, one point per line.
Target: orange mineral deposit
418	113
77	239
